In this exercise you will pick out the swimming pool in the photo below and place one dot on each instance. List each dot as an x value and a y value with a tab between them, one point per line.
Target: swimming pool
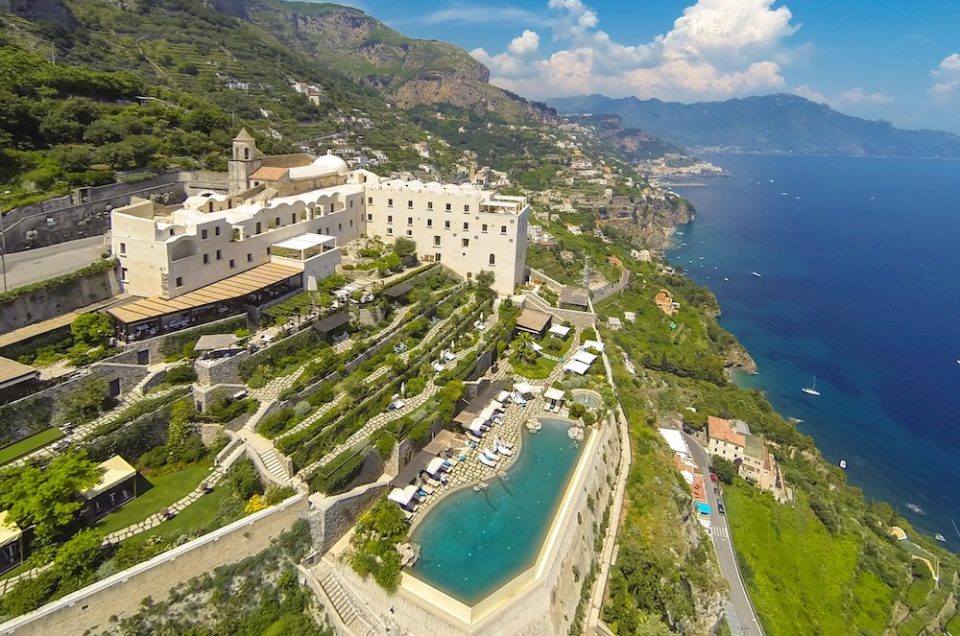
474	542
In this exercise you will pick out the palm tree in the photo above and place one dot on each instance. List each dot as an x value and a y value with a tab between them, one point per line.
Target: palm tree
523	346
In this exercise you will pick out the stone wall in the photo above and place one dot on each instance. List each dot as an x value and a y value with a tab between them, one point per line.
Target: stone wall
57	300
331	517
541	601
221	371
92	608
86	212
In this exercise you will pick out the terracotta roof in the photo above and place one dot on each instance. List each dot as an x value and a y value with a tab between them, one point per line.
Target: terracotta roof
721	429
229	288
269	173
530	320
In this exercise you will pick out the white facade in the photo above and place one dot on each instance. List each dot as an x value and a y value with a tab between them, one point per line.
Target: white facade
166	252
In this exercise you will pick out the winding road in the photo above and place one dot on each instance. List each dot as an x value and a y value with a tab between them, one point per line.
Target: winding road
741	616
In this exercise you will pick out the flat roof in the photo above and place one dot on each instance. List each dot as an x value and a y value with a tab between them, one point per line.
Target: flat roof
584	356
305	241
575	296
116	470
229	288
13	372
559	330
553	394
532	320
395	291
8	529
216	341
331	322
36	329
410	472
576	367
444	439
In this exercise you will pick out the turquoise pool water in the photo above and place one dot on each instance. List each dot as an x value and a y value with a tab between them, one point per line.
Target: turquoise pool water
474	542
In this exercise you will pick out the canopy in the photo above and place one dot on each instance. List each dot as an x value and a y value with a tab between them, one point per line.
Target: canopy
402	496
576	367
435	465
116	470
553	394
523	388
476	426
559	330
592	344
585	357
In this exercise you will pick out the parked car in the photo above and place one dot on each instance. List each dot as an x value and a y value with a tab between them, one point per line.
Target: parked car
720	508
716	490
713	477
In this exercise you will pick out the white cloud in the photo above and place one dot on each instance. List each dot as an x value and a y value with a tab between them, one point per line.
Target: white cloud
464	14
716	49
948	76
852	98
524	44
860	96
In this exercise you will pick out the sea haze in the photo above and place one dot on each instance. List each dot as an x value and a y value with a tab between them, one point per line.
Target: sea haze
860	287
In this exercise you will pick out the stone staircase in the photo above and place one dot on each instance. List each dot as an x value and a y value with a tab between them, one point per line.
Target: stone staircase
344	606
274	465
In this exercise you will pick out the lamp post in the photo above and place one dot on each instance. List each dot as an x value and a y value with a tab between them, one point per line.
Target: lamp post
3	246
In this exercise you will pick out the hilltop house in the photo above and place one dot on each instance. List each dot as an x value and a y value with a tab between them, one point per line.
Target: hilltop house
665	302
281	227
732	440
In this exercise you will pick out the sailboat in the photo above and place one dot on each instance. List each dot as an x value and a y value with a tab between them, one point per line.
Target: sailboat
811	390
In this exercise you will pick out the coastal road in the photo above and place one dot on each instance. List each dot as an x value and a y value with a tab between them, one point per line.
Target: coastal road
33	266
744	619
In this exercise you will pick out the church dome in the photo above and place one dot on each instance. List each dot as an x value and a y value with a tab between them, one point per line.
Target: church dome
330	163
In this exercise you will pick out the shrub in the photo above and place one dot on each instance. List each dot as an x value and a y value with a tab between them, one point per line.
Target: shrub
181	374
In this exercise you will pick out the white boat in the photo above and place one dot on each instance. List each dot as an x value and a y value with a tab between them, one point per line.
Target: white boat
755	274
939	537
726	279
811	390
843	464
915	508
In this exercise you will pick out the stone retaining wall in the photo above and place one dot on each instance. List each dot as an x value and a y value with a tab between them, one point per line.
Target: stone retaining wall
92	608
56	300
332	517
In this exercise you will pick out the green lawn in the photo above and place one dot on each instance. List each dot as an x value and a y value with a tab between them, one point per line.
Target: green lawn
23	567
165	491
197	516
29	444
536	371
798	574
953	627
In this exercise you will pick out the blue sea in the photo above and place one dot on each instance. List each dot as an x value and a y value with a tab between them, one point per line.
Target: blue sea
860	287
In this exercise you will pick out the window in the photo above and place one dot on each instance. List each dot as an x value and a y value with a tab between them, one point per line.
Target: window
350	204
389	231
203	235
123	274
466	208
436	241
123	249
331	208
446	225
503	229
448	207
389	218
483	228
179	281
369	200
370	217
216	231
351	222
410	203
466	226
276	222
389	203
409	232
259	228
233	263
206	259
429	222
409	220
171	231
493	259
219	256
465	242
293	217
249	257
339	227
429	205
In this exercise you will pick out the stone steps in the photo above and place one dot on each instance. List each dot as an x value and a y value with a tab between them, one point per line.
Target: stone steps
344	607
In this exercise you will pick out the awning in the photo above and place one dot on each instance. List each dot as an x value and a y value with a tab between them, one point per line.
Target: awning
592	344
553	394
523	388
560	331
412	470
477	425
576	367
116	470
230	288
585	357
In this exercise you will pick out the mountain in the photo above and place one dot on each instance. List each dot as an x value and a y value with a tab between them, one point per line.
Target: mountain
778	123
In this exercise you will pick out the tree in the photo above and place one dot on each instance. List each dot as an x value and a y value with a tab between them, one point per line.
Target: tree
724	468
485	280
85	402
47	497
92	329
405	247
77	559
523	347
179	429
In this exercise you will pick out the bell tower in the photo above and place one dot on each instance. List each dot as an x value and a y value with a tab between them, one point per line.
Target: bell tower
243	162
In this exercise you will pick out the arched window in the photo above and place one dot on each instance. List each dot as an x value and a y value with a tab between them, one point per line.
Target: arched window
493	259
246	153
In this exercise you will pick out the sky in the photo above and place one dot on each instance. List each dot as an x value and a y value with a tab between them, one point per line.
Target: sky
880	59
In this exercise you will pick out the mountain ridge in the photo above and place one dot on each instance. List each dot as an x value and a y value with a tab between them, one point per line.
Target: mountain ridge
780	123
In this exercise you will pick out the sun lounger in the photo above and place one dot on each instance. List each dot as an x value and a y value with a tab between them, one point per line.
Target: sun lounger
486	462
